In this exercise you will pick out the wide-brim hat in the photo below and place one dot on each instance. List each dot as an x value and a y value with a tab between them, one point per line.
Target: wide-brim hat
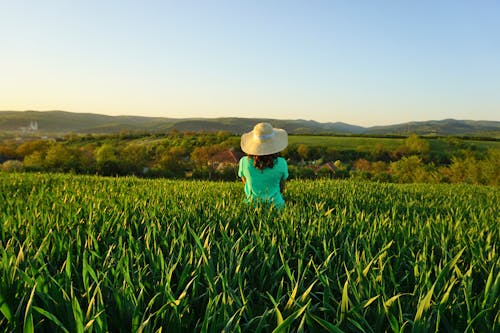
264	140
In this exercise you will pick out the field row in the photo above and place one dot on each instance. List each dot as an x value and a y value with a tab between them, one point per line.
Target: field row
124	254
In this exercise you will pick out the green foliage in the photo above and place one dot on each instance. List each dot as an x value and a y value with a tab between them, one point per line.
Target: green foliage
61	158
471	170
136	157
30	147
86	253
170	163
108	163
205	156
417	145
11	166
303	151
341	143
409	170
8	151
301	173
34	161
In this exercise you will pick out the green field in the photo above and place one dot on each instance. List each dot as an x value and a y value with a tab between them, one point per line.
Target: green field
346	142
368	143
86	253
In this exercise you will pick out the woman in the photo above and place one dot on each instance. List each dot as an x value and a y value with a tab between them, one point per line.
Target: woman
263	172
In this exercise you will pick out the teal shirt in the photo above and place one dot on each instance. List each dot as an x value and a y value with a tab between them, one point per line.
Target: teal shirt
263	185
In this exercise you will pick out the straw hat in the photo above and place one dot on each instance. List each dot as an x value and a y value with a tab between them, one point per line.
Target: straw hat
264	140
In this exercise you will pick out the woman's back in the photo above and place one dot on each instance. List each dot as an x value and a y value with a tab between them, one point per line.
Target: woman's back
263	184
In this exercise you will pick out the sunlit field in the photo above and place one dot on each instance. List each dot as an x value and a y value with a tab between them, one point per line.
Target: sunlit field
368	143
87	253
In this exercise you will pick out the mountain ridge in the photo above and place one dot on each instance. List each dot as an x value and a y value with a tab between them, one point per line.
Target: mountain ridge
64	122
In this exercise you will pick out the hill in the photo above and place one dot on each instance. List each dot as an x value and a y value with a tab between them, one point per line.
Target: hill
440	127
61	122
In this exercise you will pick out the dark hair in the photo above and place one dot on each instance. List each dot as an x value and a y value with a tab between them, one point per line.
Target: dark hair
264	161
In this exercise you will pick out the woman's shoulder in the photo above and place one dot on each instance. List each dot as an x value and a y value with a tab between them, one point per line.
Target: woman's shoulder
244	160
281	160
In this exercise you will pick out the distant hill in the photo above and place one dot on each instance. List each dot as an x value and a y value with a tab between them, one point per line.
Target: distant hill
61	122
70	122
441	127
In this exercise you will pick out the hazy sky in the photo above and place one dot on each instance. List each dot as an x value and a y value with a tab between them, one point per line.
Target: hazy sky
361	62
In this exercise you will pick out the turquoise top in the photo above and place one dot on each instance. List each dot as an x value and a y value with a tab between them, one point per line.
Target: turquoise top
264	185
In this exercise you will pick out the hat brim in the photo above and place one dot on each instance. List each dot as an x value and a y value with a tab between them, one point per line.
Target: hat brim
273	145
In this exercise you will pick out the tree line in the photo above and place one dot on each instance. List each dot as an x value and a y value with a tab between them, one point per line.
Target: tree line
214	156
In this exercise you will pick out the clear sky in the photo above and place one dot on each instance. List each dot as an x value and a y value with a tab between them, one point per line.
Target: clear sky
362	62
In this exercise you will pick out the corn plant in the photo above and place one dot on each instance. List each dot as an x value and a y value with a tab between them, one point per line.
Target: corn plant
95	254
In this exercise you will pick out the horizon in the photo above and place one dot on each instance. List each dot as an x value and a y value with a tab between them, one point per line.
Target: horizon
264	118
367	64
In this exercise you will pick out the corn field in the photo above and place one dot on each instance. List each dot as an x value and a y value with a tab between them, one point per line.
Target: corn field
94	254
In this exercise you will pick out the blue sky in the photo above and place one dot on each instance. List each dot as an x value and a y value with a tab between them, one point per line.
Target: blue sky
361	62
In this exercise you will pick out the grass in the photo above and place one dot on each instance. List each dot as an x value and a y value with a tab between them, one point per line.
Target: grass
346	142
85	253
367	144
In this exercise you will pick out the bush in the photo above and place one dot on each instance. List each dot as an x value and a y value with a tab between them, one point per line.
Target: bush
12	166
408	170
471	170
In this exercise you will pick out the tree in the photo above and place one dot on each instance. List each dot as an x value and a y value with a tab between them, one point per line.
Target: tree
380	172
470	170
61	158
7	152
202	159
412	170
362	169
491	168
417	145
200	155
362	165
88	163
30	147
34	161
341	169
171	163
331	154
107	160
303	151
379	153
135	158
12	166
290	153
